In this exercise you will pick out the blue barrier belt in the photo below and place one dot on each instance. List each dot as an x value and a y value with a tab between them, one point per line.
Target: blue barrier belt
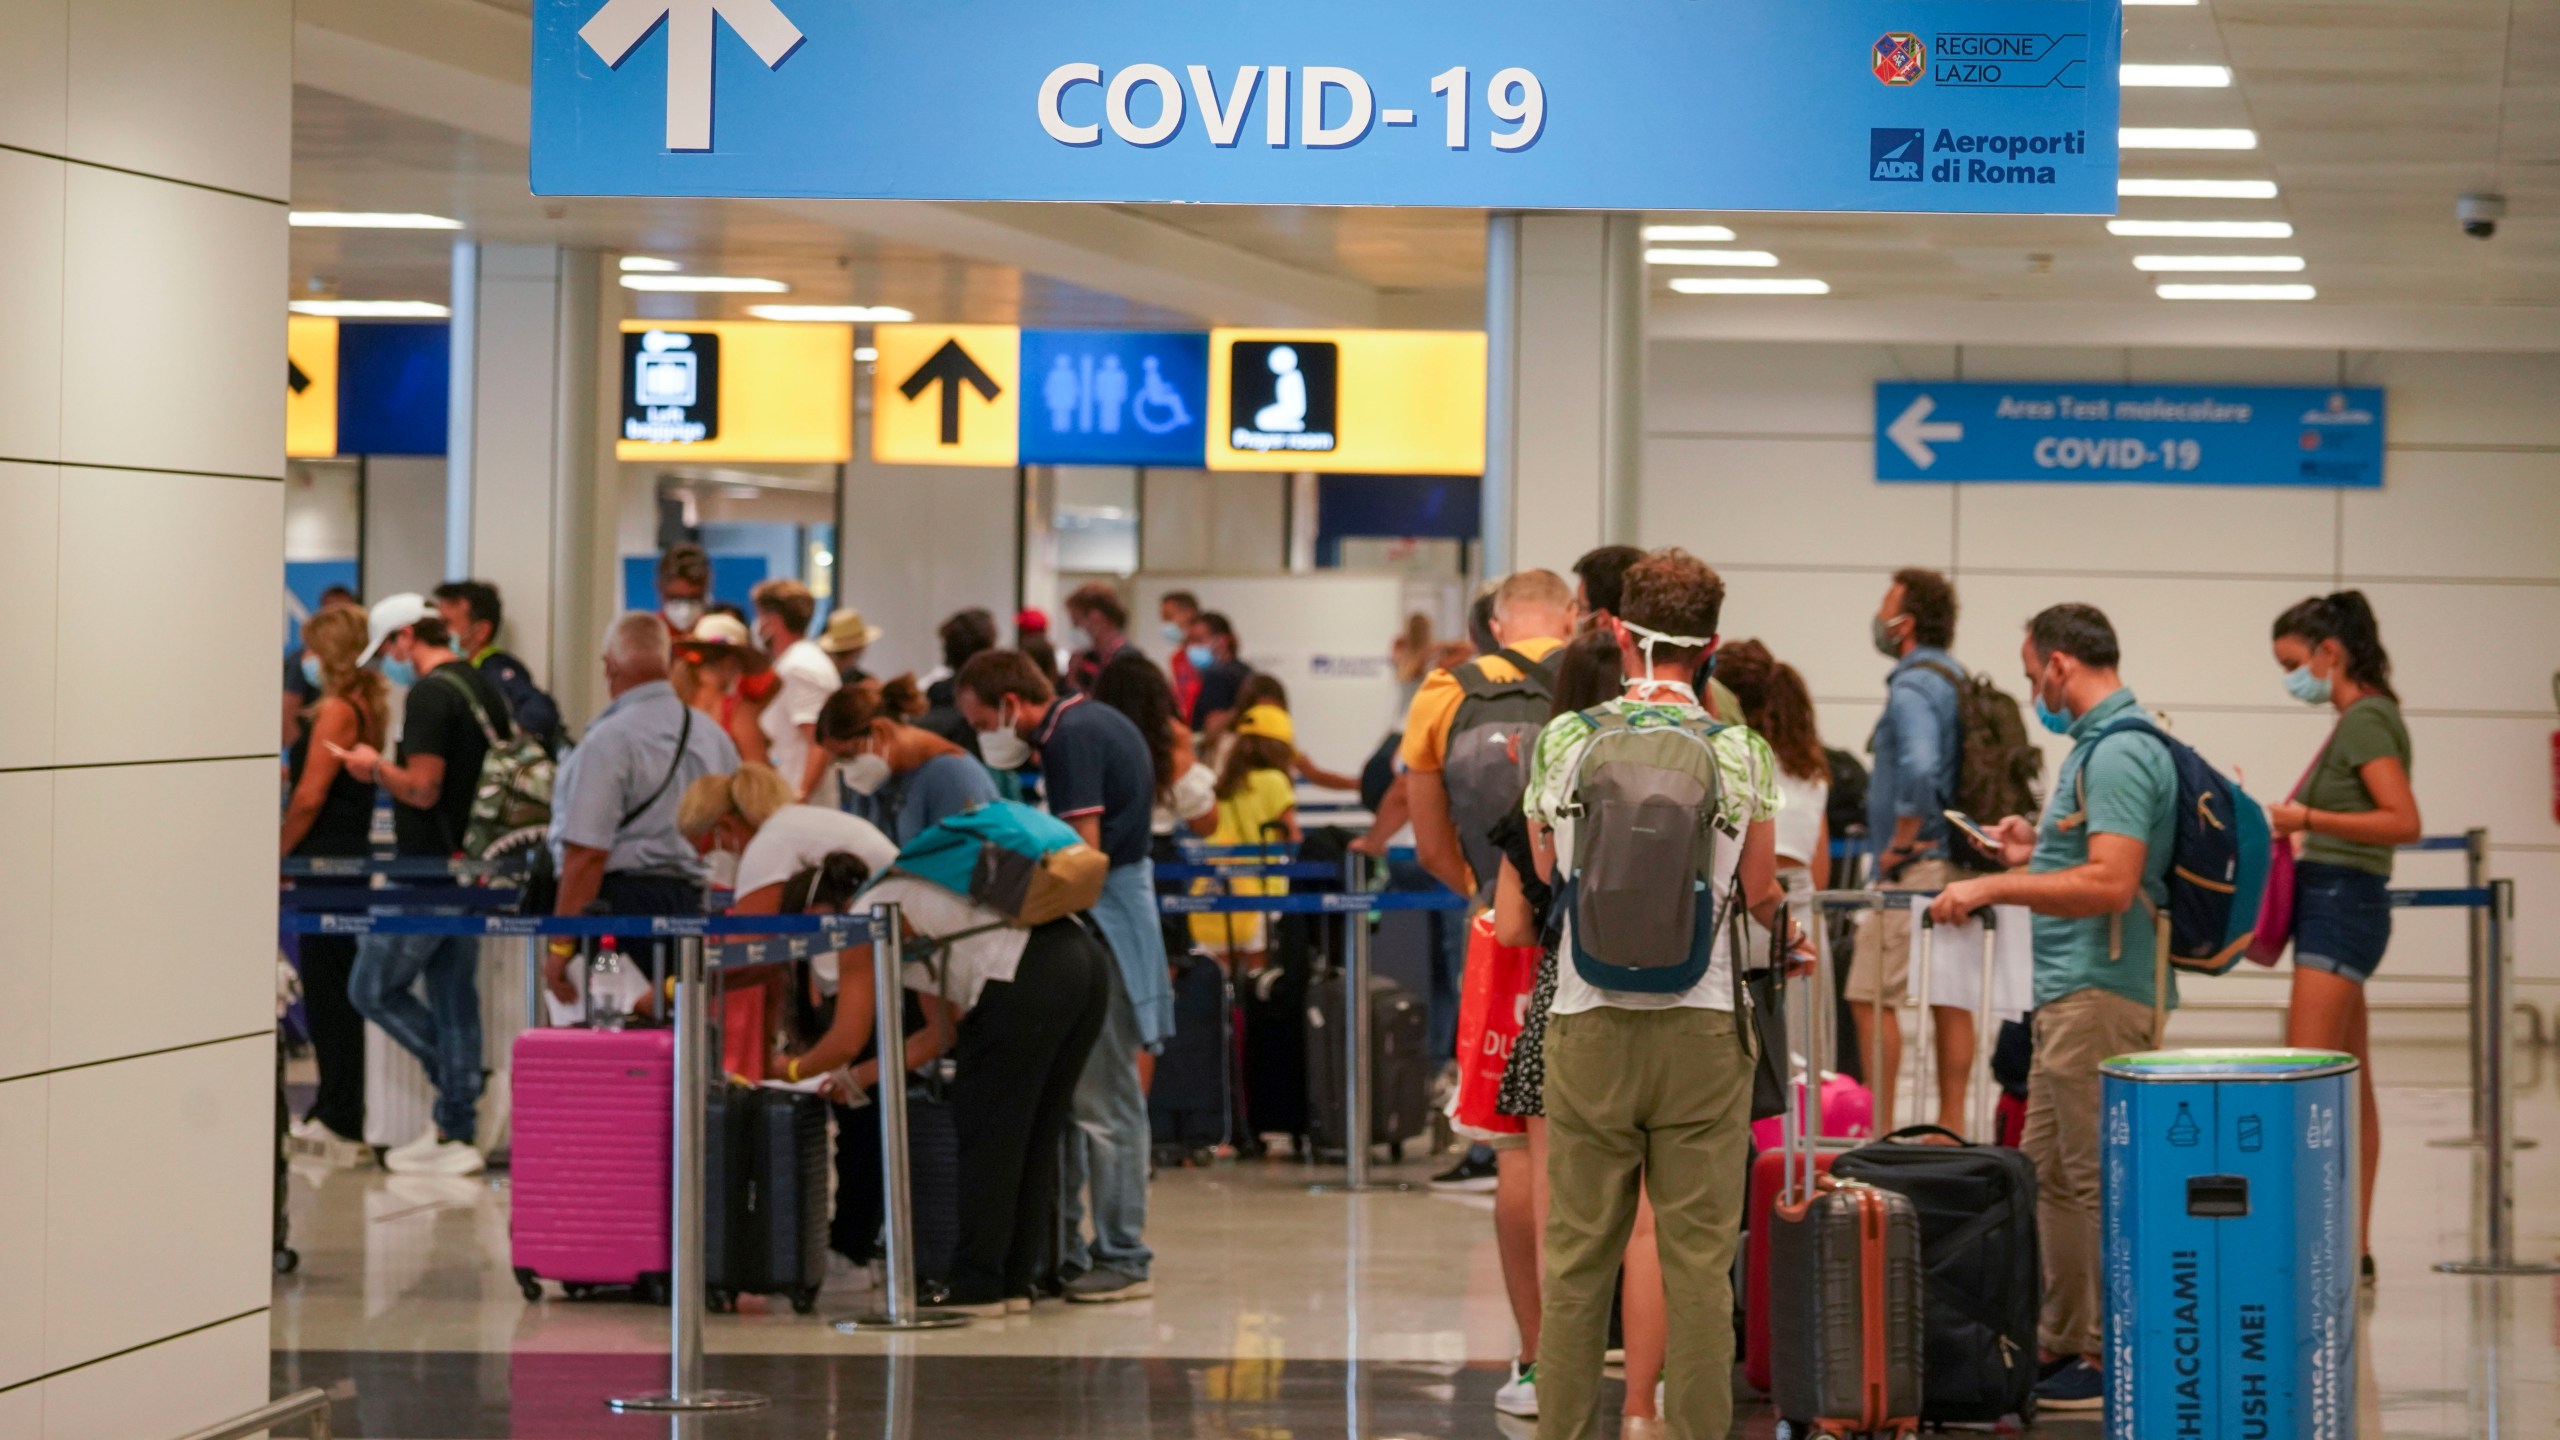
2457	899
1250	870
847	929
2439	842
420	897
1324	904
414	867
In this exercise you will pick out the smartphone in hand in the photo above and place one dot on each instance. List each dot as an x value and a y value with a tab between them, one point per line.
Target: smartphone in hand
1973	832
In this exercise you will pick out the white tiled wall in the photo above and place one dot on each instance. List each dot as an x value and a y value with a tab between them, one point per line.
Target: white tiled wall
1759	459
144	157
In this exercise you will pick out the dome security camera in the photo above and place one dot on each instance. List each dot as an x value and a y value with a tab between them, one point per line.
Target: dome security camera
2479	214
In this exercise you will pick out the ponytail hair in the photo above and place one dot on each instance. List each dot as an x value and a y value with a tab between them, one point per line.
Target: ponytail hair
2346	617
827	886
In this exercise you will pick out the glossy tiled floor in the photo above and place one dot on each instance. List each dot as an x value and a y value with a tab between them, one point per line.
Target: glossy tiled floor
1278	1314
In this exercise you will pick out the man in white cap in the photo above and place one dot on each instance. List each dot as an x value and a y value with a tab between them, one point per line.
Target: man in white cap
451	712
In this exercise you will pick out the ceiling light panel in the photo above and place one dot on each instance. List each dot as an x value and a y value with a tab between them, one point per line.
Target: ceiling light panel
649	265
2197	189
2142	137
834	314
370	309
367	220
706	284
1760	259
1708	233
2175	77
2235	263
2235	292
2203	229
1704	285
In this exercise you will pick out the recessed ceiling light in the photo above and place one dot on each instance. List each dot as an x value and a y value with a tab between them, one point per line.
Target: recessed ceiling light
2204	229
1755	258
2235	292
706	284
370	309
367	220
865	354
835	314
2269	263
2198	189
1687	232
1701	285
2175	77
649	265
2136	137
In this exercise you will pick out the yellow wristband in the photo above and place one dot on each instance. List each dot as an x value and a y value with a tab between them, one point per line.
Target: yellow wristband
564	948
791	1070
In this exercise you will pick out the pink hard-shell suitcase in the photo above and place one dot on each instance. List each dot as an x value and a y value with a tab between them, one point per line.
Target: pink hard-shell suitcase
593	1118
1848	1113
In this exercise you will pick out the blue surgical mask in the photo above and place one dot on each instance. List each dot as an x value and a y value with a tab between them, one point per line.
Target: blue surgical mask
2057	721
399	672
1172	633
310	669
2306	687
1200	656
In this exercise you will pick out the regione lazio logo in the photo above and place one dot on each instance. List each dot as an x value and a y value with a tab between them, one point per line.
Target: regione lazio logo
1893	154
1899	58
616	30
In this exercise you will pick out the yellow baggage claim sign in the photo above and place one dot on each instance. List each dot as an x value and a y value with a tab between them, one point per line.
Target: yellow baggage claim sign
741	390
1374	402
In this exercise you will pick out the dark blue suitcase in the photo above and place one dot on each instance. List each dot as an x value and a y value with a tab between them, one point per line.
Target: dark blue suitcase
1189	1106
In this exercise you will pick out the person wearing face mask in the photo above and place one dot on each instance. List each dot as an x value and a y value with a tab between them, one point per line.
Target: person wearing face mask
473	611
451	711
807	677
2351	811
1099	778
2095	872
715	670
750	813
1175	612
684	587
899	776
1212	653
1095	609
1918	744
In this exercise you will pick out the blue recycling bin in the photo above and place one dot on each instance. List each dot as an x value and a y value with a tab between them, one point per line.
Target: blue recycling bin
2230	1217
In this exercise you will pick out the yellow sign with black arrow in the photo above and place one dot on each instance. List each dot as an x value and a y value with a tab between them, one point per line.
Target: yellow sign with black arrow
946	395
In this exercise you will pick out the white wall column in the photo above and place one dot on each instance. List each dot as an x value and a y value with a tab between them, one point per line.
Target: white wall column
1564	418
531	473
145	161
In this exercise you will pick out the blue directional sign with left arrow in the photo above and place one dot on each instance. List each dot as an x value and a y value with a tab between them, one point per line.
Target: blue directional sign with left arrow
2164	434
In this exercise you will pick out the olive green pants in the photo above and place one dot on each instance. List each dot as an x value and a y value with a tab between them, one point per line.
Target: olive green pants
1658	1098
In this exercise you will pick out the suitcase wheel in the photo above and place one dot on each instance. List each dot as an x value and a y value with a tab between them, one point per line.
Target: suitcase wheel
720	1302
1395	1152
804	1301
653	1289
575	1291
529	1284
287	1259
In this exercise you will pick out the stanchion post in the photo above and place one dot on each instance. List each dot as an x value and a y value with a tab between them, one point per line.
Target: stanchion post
2485	1013
533	952
1356	1079
897	1201
2496	1186
685	1297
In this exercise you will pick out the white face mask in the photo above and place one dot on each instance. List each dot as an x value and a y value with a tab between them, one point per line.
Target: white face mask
682	614
1647	639
1003	748
864	774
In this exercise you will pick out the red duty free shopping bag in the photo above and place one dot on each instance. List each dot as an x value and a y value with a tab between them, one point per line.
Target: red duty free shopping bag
1492	1002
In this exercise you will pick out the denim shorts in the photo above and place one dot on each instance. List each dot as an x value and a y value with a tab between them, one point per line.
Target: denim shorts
2341	919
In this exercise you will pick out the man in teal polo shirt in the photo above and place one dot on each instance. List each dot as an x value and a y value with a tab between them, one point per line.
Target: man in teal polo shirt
2096	873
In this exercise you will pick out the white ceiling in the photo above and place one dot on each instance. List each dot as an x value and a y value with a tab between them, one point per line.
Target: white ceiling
2373	114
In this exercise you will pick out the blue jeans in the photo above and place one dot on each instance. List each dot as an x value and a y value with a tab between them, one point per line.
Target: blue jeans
1107	1150
444	1032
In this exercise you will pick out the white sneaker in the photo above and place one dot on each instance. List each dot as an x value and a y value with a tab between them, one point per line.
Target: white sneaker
1519	1395
308	1139
445	1157
420	1146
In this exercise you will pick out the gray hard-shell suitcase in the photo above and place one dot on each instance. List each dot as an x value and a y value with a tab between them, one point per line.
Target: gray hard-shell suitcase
1399	1071
1846	1329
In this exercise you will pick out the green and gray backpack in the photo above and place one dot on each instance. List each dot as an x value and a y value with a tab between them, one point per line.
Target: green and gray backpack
1647	799
511	802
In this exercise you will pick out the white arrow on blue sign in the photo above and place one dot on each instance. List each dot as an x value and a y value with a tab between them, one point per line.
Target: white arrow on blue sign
621	25
2173	434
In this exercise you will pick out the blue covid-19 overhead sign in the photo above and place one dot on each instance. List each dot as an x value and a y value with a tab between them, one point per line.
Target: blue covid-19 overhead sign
2174	434
1985	106
1114	397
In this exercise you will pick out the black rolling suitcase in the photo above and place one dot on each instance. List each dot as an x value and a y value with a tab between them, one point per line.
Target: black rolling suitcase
1189	1105
1399	1070
764	1230
1845	1323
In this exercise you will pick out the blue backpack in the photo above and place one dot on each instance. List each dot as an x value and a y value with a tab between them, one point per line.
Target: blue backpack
2218	857
1024	864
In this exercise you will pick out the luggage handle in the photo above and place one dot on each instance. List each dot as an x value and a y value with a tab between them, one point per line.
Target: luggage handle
1909	1132
1980	1109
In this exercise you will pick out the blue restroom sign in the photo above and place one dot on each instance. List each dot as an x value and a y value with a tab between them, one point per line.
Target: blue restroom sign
1666	105
1115	397
2170	434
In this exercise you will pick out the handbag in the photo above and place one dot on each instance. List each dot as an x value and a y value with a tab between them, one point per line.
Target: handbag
1760	1006
1497	982
2275	906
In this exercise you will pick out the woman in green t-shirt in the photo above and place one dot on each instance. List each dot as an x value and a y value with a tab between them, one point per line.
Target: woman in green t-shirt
2351	811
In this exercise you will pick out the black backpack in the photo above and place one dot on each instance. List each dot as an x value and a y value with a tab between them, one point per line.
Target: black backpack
1492	736
1997	768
